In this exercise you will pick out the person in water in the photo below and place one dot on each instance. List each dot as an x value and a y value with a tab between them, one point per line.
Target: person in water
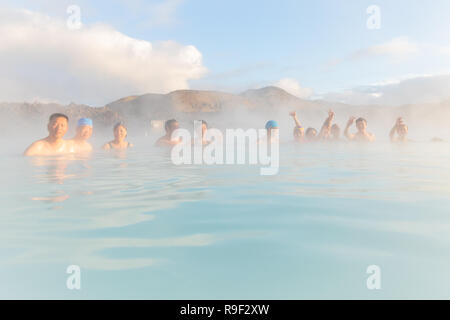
401	129
335	132
311	134
299	134
170	126
325	131
362	135
272	131
119	142
204	130
84	132
299	131
54	143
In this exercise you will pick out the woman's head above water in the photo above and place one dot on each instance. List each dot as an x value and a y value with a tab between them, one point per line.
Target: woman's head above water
311	133
120	131
335	131
119	142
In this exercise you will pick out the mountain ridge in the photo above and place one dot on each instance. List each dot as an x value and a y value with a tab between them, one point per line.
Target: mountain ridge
230	109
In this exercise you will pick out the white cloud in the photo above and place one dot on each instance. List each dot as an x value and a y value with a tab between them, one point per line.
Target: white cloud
406	90
293	87
154	12
398	47
395	49
40	56
164	12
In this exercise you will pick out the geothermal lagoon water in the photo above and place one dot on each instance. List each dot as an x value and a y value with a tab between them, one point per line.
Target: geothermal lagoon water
139	226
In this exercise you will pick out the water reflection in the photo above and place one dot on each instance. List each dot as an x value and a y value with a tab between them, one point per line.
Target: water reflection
108	191
58	198
125	200
51	170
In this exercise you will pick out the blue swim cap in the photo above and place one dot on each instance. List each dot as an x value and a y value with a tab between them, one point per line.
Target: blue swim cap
85	122
271	124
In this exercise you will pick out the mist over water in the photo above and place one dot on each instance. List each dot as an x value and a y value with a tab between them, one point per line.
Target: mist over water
141	224
133	218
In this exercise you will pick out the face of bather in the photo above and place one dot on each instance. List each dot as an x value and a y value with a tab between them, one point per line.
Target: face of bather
402	130
57	127
171	126
120	133
311	133
361	125
84	132
335	131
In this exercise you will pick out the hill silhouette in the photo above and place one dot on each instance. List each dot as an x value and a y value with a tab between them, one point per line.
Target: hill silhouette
226	108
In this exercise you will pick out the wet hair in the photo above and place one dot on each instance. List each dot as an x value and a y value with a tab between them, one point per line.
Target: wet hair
310	130
169	123
335	127
58	115
335	130
119	124
361	119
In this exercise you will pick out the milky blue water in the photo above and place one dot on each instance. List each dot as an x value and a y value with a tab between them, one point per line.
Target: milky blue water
140	227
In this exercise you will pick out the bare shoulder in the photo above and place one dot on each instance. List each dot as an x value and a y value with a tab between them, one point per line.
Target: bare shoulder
35	147
351	136
70	143
161	141
106	146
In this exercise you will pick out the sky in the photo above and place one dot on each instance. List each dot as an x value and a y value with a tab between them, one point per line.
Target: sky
324	49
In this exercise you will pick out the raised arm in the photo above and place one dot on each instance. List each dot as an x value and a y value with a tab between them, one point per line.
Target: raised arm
294	116
394	129
326	127
349	123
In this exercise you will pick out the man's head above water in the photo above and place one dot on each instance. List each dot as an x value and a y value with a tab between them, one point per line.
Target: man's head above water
58	124
361	124
171	125
54	143
84	129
